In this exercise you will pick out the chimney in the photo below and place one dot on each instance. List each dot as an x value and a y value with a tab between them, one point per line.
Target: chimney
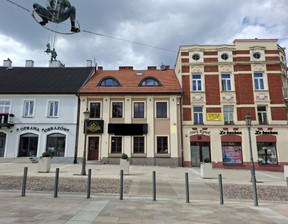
29	63
100	68
89	63
56	64
167	67
7	63
125	67
152	68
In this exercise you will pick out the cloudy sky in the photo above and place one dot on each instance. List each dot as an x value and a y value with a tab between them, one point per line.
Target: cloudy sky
159	26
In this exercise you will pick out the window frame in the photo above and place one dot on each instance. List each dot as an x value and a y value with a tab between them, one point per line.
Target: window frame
265	144
58	138
112	107
5	106
162	114
117	145
100	113
139	108
139	145
262	114
198	83
115	82
29	109
156	82
49	108
225	82
197	114
162	152
229	113
259	82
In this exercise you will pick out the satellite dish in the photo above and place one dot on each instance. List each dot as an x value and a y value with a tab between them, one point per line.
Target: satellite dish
163	67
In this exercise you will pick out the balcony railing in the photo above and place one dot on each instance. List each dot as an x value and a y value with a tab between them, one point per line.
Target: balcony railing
6	120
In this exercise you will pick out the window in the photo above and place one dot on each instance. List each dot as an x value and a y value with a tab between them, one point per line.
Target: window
232	153
116	145
162	144
259	81
110	82
95	110
56	144
257	55
53	109
138	146
262	115
198	115
139	110
28	108
226	82
267	154
196	83
161	109
28	145
228	115
4	107
196	57
117	109
150	81
224	56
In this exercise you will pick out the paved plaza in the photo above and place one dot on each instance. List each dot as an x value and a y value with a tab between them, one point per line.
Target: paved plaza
138	206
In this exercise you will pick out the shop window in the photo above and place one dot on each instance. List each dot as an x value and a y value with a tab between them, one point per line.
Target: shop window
116	145
117	110
198	115
139	110
53	108
95	110
262	115
161	109
196	83
226	82
267	154
259	81
4	107
28	145
228	115
162	144
56	144
232	153
138	146
28	108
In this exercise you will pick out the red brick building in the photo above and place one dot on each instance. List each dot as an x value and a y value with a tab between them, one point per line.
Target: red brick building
221	83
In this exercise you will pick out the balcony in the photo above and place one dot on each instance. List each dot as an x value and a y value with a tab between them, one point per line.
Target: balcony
6	120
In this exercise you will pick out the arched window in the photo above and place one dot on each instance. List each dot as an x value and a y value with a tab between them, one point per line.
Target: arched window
109	81
2	143
150	81
28	145
56	144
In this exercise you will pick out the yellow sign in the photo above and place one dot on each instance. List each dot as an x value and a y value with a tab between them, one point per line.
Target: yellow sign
214	117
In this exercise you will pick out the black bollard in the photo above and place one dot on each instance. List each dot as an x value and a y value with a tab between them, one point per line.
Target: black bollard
89	184
24	181
154	186
221	189
287	183
56	183
187	187
121	184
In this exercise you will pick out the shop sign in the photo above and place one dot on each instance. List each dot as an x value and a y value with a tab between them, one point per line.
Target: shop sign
95	127
214	116
28	128
31	128
230	133
201	132
257	132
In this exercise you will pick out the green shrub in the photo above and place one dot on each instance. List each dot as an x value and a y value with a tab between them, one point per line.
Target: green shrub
207	160
124	156
46	154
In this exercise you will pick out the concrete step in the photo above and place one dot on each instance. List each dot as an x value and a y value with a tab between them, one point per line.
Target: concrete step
16	160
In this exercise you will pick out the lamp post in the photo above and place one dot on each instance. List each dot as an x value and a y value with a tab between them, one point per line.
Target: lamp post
248	120
86	119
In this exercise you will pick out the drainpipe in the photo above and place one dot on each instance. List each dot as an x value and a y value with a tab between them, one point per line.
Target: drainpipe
181	129
77	131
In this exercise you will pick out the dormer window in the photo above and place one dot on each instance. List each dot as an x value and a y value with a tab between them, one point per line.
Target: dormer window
109	81
150	81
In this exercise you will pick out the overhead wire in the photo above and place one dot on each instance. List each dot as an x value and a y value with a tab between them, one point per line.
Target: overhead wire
107	36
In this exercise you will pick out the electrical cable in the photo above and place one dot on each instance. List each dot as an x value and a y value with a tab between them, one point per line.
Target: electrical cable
107	36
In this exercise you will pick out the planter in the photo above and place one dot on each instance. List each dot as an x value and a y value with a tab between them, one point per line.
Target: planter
124	165
285	172
206	170
44	165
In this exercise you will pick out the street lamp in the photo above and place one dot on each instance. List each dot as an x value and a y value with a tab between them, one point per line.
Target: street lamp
248	120
86	119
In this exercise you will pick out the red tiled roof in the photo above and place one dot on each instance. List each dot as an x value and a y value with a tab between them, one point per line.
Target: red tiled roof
129	82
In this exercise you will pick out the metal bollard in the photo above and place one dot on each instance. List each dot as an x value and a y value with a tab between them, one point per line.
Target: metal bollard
221	189
24	181
287	183
154	186
56	183
89	184
187	187
121	184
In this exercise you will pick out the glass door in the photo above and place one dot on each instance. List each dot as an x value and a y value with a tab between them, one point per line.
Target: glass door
199	151
2	144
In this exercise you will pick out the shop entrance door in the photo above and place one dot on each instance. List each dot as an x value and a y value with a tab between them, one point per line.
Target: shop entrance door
199	151
93	149
2	144
28	145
